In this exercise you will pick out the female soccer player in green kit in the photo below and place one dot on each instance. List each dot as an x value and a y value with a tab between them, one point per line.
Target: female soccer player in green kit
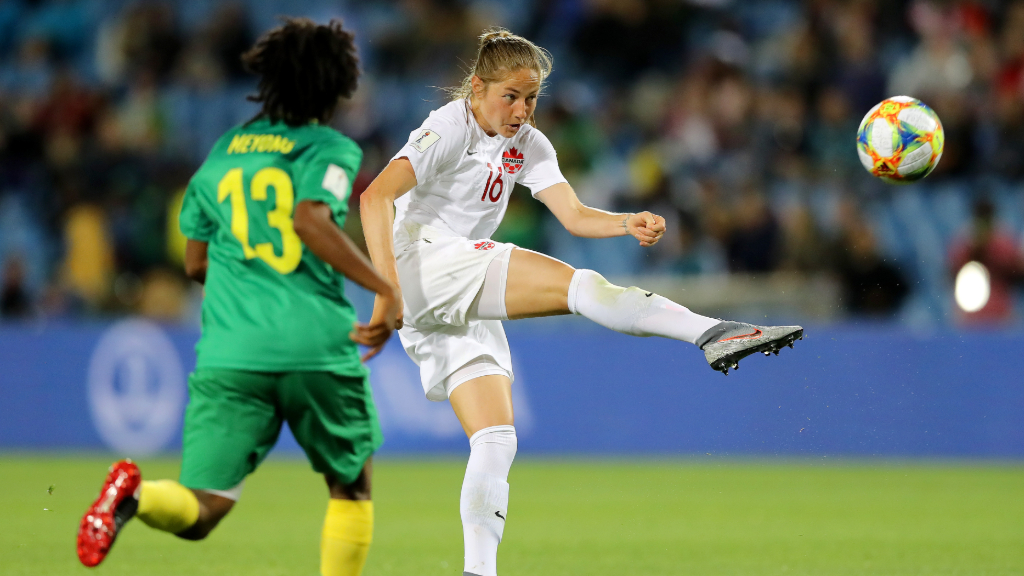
264	216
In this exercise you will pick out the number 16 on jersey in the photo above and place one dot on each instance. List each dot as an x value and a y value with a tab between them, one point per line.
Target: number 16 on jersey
494	181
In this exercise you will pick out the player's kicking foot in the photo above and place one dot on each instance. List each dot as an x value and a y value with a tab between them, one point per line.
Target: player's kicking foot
727	343
116	505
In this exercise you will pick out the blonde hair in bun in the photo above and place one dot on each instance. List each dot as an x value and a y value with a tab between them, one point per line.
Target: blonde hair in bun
499	54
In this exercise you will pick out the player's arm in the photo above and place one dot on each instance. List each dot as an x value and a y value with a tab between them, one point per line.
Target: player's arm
314	223
584	221
196	260
198	229
377	212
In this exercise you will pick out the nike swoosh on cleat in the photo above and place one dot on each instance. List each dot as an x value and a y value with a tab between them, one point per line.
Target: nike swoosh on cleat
752	336
649	294
498	514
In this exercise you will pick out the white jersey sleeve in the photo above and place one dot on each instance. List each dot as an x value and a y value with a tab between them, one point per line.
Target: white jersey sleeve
464	176
541	171
434	146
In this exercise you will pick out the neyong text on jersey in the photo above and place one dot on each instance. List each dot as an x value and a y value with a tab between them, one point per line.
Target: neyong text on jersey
245	143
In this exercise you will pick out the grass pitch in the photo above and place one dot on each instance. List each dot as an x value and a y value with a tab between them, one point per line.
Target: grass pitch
578	517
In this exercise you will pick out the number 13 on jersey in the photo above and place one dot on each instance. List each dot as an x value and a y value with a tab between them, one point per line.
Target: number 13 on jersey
280	217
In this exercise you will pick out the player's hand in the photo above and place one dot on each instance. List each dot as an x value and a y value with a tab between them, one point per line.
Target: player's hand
386	318
646	227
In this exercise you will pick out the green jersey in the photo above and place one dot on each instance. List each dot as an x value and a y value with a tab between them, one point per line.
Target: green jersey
270	304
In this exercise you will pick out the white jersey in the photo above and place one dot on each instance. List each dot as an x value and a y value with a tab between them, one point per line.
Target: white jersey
464	177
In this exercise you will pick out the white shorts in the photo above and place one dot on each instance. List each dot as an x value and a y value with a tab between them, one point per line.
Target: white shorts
440	276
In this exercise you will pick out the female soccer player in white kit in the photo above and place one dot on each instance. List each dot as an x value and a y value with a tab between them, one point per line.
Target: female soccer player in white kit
449	187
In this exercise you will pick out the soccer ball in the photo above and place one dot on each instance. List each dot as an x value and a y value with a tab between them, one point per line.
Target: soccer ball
900	140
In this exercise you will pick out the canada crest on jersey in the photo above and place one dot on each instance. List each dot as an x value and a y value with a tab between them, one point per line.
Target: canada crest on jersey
512	160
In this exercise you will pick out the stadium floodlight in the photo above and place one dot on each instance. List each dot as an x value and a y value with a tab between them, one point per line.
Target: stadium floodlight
972	287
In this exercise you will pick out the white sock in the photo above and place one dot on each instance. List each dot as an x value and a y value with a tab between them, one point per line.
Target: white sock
632	310
484	502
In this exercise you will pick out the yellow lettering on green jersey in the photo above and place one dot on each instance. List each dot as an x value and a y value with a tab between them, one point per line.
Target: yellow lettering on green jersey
245	143
236	144
280	217
231	186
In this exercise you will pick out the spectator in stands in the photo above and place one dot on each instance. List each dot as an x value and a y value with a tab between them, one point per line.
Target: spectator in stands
710	93
754	241
698	253
780	146
212	56
89	262
647	35
68	105
998	253
144	38
10	17
805	248
1006	158
1010	76
1007	154
940	63
830	135
30	73
231	35
140	116
15	301
858	74
871	285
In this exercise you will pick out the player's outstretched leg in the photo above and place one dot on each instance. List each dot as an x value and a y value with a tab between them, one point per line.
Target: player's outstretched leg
727	343
163	504
641	313
116	505
538	285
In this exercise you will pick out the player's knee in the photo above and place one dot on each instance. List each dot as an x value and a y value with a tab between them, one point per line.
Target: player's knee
607	304
598	286
360	489
212	509
209	518
586	289
591	279
200	530
501	439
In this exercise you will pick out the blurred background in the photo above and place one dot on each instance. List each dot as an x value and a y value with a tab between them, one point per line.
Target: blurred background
890	441
735	119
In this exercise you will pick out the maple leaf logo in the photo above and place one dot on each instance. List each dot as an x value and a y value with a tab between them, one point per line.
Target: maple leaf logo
512	161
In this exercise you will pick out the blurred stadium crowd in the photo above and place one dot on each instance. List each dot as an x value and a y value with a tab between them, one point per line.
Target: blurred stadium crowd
734	119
